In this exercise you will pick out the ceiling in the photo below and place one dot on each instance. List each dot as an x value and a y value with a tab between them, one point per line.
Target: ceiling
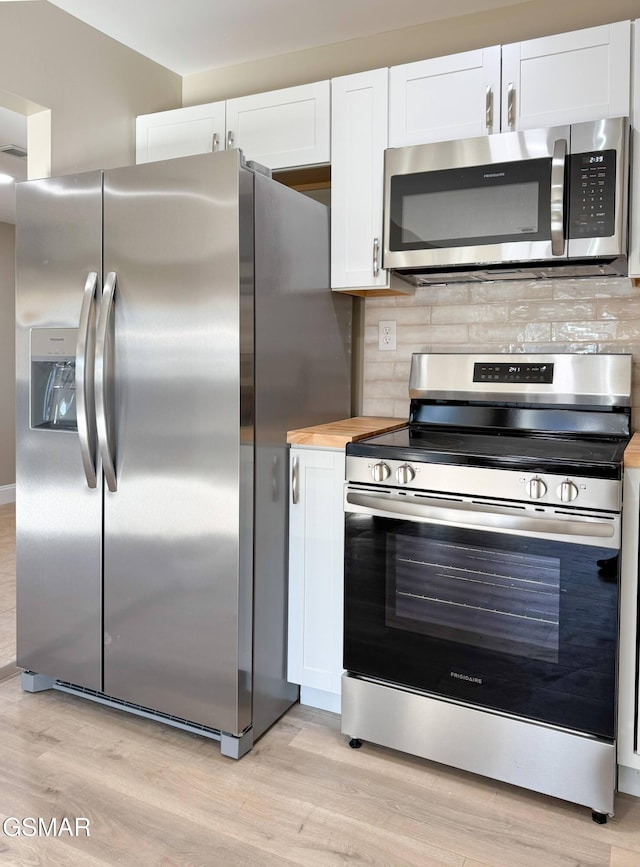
196	35
193	36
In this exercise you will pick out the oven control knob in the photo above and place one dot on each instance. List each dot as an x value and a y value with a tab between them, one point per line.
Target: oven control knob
567	491
536	488
380	472
405	474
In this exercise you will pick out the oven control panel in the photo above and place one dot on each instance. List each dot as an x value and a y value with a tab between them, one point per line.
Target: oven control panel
486	482
499	371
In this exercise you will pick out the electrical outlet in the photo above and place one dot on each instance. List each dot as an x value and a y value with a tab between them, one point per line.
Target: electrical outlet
387	334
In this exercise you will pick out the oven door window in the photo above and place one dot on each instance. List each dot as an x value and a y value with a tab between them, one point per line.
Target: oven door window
520	625
493	204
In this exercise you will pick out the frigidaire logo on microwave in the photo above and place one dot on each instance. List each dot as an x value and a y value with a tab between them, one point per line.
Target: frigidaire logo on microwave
466	677
494	175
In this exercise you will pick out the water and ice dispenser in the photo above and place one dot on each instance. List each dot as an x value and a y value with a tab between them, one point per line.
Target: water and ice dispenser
53	378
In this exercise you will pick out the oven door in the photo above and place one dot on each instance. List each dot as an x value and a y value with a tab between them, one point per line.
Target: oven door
487	200
513	608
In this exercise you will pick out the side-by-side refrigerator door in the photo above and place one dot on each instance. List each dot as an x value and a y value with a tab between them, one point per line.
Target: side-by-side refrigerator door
175	354
59	488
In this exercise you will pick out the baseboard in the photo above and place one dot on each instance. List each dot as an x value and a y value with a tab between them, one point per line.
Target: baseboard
628	780
7	494
320	699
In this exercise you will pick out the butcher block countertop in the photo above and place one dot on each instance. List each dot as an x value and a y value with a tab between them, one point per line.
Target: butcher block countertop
337	434
632	452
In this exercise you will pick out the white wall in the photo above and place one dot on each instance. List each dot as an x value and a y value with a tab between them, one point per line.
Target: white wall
509	24
93	85
7	356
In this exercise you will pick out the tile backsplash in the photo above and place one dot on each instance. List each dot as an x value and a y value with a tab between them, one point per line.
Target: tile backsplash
565	315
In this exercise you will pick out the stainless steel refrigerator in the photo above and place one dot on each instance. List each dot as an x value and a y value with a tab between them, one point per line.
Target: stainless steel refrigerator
173	322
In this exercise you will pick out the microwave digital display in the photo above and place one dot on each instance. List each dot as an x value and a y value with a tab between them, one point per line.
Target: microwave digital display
593	194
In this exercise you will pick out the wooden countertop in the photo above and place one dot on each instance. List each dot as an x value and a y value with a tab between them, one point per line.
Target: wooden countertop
337	434
632	452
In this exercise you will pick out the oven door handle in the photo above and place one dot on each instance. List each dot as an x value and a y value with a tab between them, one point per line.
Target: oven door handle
604	533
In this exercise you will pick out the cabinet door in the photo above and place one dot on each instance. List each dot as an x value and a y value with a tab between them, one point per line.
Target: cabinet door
180	132
445	98
567	78
283	128
316	545
358	141
628	683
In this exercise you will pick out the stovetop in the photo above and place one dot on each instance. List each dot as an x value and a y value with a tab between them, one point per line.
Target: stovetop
589	457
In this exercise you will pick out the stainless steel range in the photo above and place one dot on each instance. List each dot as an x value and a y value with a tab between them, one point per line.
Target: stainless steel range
481	571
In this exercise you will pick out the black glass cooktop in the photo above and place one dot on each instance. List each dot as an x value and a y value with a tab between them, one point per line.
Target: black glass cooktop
586	456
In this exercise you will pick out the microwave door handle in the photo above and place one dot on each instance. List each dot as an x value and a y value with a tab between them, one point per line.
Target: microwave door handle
104	382
84	381
558	162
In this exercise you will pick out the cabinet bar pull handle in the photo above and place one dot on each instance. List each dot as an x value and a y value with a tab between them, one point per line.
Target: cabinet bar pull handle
230	139
511	106
295	481
489	108
215	144
376	257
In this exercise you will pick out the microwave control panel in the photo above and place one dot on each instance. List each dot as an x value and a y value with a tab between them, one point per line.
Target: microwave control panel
592	185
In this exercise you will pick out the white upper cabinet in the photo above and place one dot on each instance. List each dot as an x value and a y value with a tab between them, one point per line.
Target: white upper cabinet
358	141
444	98
567	78
281	129
181	132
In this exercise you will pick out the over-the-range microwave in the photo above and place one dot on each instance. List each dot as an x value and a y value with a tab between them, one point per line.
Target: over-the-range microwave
535	203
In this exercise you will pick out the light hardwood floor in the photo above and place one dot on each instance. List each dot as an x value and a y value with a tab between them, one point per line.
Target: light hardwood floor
158	796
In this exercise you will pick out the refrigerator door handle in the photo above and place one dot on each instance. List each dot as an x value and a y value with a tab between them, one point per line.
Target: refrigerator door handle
84	381
103	383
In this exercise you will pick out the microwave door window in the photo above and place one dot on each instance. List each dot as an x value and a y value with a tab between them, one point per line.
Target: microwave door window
473	206
487	213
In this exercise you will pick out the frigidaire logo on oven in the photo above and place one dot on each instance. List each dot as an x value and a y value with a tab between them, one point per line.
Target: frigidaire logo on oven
466	677
494	175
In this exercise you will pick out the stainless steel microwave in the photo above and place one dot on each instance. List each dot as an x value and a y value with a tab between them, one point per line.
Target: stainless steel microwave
547	201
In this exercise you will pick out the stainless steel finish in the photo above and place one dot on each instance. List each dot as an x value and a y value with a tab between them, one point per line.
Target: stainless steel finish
193	540
457	482
511	106
567	491
515	260
550	760
603	380
230	139
380	471
376	257
483	150
215	142
58	517
549	523
178	532
104	383
405	474
558	162
536	488
610	133
296	319
488	110
85	350
295	480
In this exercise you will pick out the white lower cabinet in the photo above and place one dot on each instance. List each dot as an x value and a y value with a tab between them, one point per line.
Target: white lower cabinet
628	683
316	565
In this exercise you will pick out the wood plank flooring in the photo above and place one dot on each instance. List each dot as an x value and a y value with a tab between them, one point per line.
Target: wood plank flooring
158	796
